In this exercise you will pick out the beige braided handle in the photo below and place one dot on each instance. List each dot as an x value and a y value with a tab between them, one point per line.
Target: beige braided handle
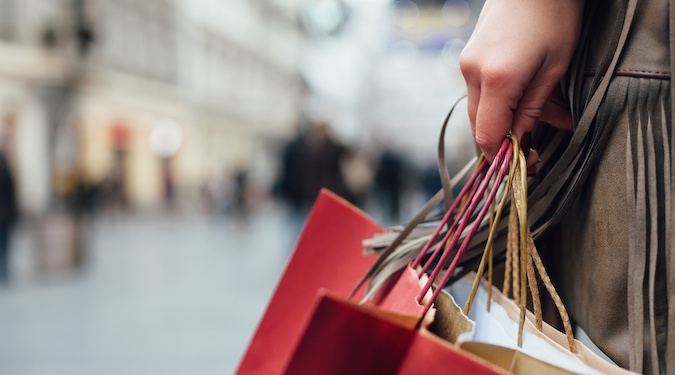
521	260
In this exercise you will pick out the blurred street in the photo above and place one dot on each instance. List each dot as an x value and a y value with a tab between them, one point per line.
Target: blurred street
158	157
161	294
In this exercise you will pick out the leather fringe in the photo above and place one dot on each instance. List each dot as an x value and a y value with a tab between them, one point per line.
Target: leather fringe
649	191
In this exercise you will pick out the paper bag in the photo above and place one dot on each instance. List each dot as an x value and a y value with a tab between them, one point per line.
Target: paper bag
328	255
345	338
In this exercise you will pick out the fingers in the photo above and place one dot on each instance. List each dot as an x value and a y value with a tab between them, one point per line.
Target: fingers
495	92
500	109
557	113
503	97
531	105
532	161
494	116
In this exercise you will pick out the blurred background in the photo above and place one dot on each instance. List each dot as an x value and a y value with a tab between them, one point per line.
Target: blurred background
158	159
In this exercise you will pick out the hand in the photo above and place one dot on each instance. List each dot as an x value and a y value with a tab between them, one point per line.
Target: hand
515	58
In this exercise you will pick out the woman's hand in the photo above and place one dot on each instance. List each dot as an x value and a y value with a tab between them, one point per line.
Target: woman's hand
515	58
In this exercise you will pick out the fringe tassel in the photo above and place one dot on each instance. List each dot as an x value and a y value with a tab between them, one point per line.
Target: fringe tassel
654	219
669	144
669	181
649	192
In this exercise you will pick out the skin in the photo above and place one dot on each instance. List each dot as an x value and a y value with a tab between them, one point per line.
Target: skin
513	63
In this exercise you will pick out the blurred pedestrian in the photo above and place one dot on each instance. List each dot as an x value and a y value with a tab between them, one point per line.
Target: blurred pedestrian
8	204
389	183
323	158
240	200
312	161
291	177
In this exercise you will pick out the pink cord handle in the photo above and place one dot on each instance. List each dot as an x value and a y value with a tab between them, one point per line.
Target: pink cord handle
446	218
501	159
460	218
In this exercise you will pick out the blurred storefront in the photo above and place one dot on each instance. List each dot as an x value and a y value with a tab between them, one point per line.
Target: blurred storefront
91	84
89	80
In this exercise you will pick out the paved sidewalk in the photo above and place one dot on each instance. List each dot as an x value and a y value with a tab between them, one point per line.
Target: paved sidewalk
175	294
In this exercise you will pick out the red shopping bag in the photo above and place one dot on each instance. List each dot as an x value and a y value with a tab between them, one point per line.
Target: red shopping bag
345	338
328	255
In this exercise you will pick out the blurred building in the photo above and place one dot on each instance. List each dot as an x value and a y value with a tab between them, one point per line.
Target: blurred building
419	79
388	76
89	81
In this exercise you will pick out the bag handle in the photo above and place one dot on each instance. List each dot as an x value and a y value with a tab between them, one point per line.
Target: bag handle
501	161
471	184
532	255
520	263
494	218
511	158
522	254
444	194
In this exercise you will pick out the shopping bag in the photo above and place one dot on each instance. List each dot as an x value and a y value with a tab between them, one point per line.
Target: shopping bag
506	320
328	255
345	338
499	325
522	258
547	343
494	339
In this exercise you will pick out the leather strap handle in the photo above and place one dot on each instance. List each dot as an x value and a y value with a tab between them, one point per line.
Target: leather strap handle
444	194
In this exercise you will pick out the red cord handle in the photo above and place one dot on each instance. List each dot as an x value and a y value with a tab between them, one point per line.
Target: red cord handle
502	161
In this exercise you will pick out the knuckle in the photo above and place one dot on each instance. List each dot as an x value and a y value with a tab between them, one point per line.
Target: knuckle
494	75
468	64
531	112
557	72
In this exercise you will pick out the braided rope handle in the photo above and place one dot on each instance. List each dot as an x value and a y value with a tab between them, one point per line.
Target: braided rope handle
520	199
522	256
